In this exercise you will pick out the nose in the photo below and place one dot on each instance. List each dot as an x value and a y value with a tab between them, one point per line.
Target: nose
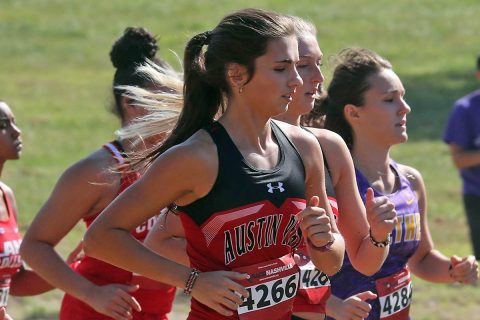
405	108
318	76
296	81
15	131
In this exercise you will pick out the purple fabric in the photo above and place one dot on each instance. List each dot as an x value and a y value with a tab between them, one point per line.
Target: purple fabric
463	129
348	281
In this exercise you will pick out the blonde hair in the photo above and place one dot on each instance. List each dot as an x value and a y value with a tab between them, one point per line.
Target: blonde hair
303	27
163	105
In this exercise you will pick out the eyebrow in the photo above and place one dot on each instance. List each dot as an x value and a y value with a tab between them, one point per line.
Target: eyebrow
285	61
394	91
310	56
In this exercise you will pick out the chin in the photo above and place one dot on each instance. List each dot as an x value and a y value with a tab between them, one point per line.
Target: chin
402	139
284	108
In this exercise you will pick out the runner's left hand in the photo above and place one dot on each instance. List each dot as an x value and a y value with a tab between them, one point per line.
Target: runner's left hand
464	270
315	223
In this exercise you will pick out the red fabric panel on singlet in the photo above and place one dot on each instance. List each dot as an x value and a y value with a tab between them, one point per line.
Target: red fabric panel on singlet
10	260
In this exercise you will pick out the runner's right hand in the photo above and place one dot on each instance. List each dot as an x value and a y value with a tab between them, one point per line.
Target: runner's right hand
220	291
352	308
114	300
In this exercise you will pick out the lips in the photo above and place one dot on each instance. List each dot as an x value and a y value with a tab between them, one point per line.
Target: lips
314	93
18	145
288	96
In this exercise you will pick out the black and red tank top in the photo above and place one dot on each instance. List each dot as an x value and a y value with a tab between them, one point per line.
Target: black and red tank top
248	217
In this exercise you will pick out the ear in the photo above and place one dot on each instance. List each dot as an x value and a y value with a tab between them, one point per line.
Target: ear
129	110
125	104
237	75
351	113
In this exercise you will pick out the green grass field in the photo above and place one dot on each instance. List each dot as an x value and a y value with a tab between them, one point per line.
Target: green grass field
56	76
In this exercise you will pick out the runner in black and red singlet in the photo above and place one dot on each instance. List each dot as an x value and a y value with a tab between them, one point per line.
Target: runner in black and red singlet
242	184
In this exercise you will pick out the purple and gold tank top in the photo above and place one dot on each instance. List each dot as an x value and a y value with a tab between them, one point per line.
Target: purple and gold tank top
392	282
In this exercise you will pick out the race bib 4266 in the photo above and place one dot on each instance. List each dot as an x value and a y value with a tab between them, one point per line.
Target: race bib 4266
271	287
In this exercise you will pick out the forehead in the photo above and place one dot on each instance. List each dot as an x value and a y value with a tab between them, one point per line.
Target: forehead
282	49
308	46
385	81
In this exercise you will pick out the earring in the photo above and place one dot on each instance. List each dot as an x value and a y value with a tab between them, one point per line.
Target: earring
240	89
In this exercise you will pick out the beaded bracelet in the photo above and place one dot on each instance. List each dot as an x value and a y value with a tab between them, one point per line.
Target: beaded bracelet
191	281
380	244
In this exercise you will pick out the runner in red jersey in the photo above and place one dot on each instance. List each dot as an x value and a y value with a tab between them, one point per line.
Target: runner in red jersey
247	223
14	278
154	298
95	289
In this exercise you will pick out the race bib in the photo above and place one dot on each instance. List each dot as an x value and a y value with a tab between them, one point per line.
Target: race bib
395	295
272	286
314	284
4	291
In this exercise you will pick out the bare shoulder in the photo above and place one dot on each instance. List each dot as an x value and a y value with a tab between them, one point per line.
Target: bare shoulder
195	159
197	152
330	141
6	189
98	168
191	167
299	137
8	193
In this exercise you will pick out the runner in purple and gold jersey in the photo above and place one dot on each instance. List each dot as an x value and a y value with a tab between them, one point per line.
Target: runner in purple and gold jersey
365	105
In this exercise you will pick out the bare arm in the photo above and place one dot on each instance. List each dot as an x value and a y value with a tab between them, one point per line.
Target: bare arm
189	172
4	315
76	194
428	263
464	158
352	220
317	221
167	238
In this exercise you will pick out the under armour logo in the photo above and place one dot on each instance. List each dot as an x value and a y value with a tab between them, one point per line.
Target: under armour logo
279	187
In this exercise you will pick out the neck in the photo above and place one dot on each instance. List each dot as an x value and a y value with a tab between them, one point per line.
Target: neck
247	128
287	117
373	161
